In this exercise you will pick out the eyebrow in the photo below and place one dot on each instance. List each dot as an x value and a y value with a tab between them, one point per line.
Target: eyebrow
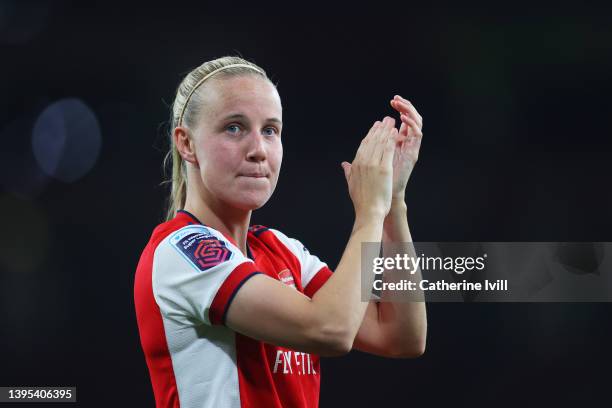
242	116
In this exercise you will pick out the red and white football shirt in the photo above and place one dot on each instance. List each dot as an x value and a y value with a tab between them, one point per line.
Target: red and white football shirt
185	281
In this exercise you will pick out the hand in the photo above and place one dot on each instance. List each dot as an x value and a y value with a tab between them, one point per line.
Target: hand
408	144
370	175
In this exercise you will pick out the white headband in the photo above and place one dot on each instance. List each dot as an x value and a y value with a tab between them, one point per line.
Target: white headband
204	79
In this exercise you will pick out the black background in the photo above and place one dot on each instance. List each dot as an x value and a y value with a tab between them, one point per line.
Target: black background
516	106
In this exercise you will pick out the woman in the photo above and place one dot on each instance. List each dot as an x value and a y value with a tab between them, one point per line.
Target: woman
232	315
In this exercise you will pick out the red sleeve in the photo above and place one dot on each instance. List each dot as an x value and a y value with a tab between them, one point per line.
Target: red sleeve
317	281
222	300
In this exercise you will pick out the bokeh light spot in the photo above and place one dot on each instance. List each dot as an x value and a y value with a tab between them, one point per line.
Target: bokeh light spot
66	140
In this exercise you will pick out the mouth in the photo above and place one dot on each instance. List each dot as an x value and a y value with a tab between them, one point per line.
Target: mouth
254	175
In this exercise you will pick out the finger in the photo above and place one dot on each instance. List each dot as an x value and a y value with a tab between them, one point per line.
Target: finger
413	128
402	109
371	147
389	123
381	139
346	166
389	149
403	132
387	133
406	108
366	143
406	104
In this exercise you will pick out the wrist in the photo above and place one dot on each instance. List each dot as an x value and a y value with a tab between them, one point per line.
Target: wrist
365	218
397	215
398	203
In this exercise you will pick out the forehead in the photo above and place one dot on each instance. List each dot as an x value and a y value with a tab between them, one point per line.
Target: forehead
250	95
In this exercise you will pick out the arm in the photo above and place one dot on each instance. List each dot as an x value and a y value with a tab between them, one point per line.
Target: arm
395	329
270	311
398	329
327	324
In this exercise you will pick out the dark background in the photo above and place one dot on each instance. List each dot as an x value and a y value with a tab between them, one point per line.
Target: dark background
516	106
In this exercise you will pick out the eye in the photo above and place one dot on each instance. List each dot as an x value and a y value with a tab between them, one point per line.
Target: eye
273	129
233	128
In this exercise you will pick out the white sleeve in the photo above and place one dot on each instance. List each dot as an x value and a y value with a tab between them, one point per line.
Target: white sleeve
314	273
196	274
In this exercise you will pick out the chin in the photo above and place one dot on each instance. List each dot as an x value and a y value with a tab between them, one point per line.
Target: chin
249	201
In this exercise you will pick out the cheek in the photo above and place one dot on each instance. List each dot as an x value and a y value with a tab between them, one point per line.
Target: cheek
218	158
276	156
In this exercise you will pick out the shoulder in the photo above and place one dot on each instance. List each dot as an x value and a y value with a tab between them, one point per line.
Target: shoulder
195	273
313	272
160	233
201	246
181	230
257	230
180	243
274	239
269	235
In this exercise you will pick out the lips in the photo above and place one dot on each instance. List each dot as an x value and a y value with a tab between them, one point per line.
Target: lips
254	175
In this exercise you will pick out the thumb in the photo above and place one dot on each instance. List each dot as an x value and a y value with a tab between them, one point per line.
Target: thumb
346	166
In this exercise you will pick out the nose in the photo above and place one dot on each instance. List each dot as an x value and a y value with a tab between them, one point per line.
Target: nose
256	149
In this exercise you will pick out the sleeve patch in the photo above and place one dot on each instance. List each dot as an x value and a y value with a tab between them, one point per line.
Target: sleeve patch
202	249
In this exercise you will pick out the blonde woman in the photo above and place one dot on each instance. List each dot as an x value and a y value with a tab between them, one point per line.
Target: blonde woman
233	315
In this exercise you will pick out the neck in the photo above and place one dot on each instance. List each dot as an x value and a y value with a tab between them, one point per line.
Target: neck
231	222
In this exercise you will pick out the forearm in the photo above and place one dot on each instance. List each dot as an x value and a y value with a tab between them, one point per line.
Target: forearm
405	323
338	303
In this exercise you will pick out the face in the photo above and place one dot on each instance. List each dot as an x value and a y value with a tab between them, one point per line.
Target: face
237	141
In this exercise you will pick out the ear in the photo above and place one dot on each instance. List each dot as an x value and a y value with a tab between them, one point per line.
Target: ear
184	145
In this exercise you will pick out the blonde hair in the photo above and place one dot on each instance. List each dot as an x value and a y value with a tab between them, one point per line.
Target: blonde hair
185	109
